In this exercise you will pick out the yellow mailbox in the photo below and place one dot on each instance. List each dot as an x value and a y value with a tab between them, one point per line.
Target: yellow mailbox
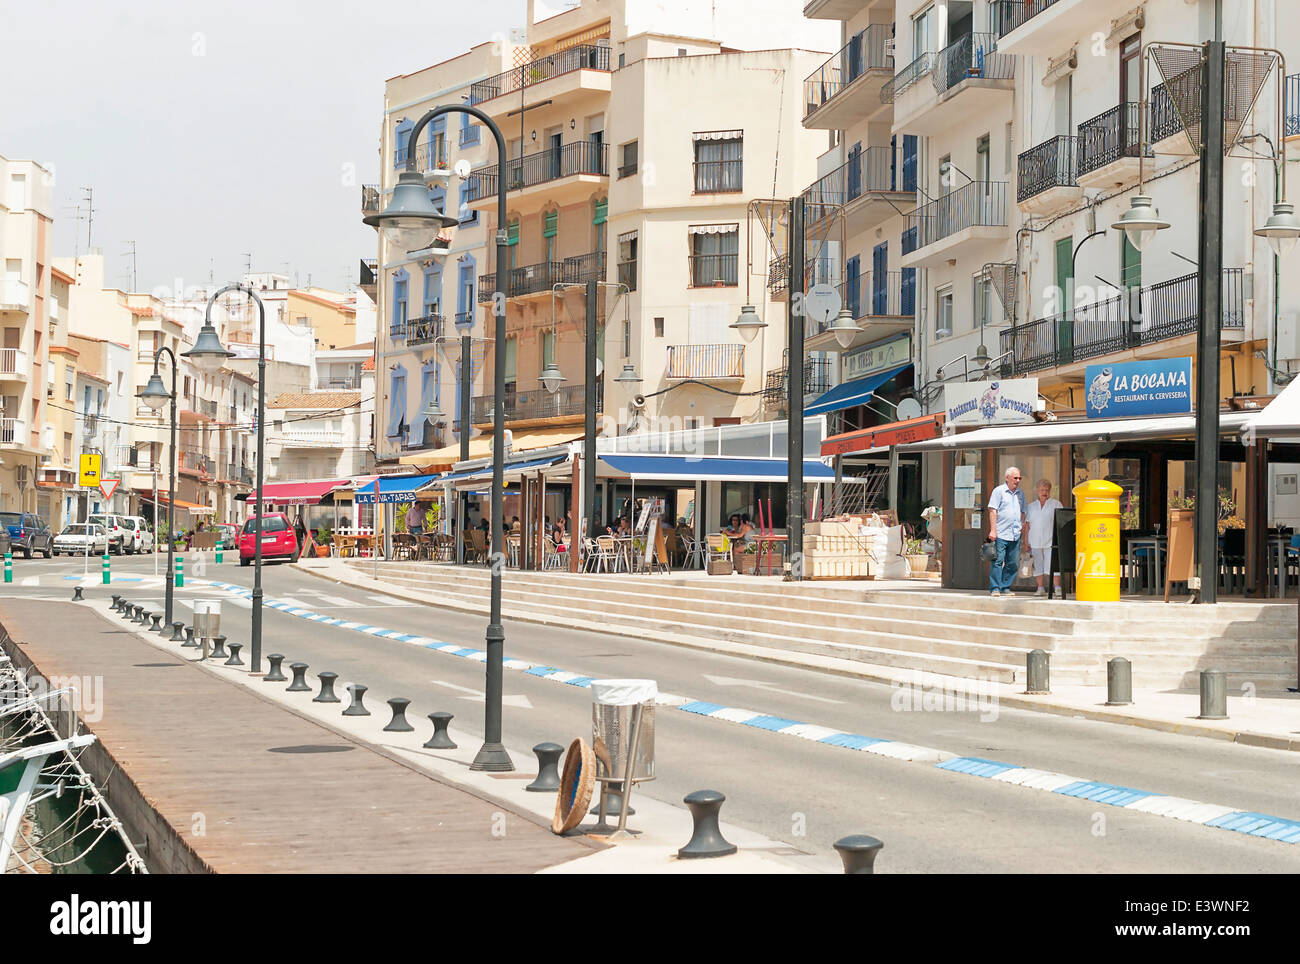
1096	541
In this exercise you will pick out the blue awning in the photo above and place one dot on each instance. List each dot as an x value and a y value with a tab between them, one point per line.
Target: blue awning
712	468
394	488
852	393
485	471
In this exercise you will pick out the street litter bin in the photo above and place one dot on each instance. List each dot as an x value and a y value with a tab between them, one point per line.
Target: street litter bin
616	704
207	621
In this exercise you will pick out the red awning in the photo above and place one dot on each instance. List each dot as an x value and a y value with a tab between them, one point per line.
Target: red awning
295	493
883	436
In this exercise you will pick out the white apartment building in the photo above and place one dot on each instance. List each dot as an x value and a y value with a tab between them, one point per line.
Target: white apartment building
317	435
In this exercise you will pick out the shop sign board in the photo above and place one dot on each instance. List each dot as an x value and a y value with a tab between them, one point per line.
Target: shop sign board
1005	401
876	358
1162	386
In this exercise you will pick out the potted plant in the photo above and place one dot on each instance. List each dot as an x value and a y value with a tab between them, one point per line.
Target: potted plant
748	563
918	561
1182	508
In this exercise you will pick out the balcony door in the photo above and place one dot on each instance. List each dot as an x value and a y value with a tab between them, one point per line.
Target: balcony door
879	278
855	171
853	286
554	153
1065	285
1130	93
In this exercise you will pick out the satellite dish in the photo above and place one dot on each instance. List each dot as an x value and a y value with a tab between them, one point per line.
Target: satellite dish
908	408
462	168
822	303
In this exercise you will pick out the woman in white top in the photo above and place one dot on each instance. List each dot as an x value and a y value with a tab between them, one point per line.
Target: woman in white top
1041	515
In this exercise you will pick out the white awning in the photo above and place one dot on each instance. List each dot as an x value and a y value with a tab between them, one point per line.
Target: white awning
1280	418
1079	430
718	136
713	229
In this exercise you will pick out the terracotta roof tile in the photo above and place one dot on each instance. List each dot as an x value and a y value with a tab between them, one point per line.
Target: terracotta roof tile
324	400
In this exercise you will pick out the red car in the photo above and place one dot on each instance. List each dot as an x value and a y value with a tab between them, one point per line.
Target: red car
279	541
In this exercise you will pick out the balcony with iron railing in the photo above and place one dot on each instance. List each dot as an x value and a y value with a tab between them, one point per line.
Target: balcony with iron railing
883	303
776	384
856	189
846	88
713	270
14	365
1125	321
530	279
536	404
425	330
320	438
975	213
719	177
1046	175
1108	147
581	160
581	268
905	78
1049	26
578	58
969	77
706	362
1164	121
370	199
367	275
191	461
1291	112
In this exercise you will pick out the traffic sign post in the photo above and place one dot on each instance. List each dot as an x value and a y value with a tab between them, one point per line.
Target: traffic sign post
89	474
108	487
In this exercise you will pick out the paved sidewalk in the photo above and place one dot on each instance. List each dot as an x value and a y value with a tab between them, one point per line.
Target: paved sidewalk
1271	720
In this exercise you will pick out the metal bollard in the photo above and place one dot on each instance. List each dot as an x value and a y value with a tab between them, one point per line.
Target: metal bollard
326	694
219	647
1038	672
117	599
858	853
299	684
123	607
105	570
356	707
189	638
613	800
706	837
157	620
440	740
1214	695
144	616
399	723
76	594
178	632
548	770
133	612
9	567
180	572
1119	682
234	655
276	675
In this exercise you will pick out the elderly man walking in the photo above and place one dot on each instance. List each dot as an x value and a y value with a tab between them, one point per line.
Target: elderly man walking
1007	512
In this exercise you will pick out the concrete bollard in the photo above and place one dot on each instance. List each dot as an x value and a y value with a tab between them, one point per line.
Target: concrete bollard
399	723
189	638
276	675
299	684
218	647
357	706
858	853
76	594
1038	673
105	570
326	694
178	632
440	740
157	620
1119	682
548	770
234	655
117	600
1214	695
706	837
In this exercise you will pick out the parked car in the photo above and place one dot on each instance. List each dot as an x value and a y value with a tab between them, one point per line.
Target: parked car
6	544
28	533
139	538
279	541
115	526
229	533
74	538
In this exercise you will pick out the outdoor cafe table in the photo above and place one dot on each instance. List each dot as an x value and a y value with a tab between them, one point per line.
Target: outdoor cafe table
350	544
1278	546
1154	563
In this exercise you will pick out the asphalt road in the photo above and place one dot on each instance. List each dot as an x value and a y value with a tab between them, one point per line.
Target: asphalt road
805	793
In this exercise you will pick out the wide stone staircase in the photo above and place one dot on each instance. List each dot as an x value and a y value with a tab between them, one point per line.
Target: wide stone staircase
927	629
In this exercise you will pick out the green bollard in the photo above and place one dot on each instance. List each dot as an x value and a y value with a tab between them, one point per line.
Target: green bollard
180	571
108	575
9	567
218	552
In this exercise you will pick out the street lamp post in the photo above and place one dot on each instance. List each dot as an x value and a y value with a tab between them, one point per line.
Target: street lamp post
154	395
408	222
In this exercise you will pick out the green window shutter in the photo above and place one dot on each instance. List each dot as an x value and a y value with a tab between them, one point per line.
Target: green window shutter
552	224
1131	265
1064	257
512	355
602	208
512	232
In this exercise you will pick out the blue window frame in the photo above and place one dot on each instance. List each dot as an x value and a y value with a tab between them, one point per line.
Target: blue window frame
469	131
432	290
438	132
401	142
854	187
396	401
400	308
438	196
466	214
465	282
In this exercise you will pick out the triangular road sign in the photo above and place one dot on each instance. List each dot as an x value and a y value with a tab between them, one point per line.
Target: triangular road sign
108	487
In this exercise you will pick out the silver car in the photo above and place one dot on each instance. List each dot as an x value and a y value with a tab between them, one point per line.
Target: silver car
75	540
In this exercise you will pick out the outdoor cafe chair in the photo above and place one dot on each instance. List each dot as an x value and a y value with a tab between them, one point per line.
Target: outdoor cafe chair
716	550
694	557
607	554
555	558
591	555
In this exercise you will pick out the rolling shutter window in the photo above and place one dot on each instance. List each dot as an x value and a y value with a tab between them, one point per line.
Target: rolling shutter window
602	209
552	226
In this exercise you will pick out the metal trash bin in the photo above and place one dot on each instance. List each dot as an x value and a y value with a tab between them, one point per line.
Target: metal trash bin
612	724
207	622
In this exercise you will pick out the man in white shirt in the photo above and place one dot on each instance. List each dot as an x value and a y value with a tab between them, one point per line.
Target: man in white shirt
1006	531
1041	516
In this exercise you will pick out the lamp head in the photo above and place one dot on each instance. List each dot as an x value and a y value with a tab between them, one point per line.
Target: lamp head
748	323
844	328
1140	222
155	393
411	221
552	378
628	376
1281	230
208	354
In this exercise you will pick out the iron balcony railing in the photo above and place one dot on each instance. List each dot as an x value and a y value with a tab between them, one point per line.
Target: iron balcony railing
906	77
581	268
1052	163
719	177
1109	136
873	169
397	329
195	462
1122	321
973	55
208	407
705	361
1165	120
465	319
578	157
528	280
370	195
868	49
713	270
366	273
425	330
578	57
627	274
537	402
1291	93
978	204
427	160
816	381
1009	14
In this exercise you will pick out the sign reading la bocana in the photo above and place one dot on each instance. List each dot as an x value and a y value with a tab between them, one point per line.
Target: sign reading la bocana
1162	386
1005	401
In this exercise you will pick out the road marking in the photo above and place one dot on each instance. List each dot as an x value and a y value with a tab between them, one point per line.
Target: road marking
388	602
727	681
476	696
1206	814
30	581
335	602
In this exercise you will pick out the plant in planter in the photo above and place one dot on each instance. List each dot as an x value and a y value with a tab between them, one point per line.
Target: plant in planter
918	560
748	562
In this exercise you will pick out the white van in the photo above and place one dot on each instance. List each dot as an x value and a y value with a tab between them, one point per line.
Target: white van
139	538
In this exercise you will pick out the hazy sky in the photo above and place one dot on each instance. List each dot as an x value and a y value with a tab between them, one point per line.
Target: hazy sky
211	129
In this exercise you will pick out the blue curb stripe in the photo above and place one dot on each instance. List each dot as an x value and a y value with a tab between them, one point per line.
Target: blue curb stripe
1104	793
976	766
580	681
772	723
850	740
700	707
542	671
467	652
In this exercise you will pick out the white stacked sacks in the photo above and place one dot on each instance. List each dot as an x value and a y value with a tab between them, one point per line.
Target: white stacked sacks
836	550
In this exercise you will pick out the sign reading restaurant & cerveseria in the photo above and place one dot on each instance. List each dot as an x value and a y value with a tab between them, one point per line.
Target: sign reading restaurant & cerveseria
1001	402
1162	386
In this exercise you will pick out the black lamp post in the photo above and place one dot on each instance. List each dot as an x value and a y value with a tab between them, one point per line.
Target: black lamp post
154	395
411	222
